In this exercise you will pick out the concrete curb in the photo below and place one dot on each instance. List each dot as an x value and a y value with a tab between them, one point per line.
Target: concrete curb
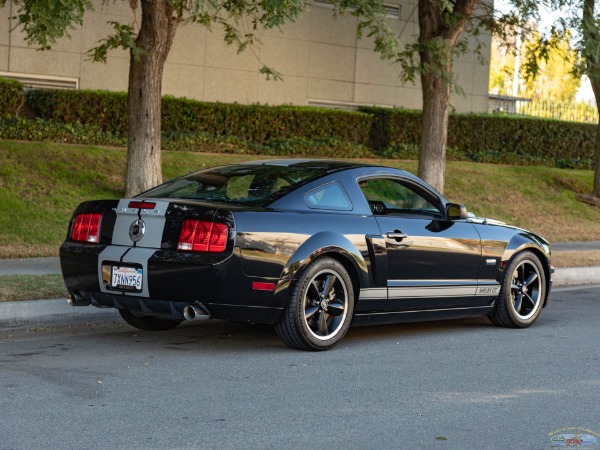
30	266
570	276
40	313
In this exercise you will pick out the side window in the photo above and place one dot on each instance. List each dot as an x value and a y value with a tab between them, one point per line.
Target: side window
386	196
330	196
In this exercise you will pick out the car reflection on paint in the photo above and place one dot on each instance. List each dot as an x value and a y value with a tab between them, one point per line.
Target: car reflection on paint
310	246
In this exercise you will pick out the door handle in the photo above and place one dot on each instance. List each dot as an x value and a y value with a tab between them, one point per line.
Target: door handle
396	235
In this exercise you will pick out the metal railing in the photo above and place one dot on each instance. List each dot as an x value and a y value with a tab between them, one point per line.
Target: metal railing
538	107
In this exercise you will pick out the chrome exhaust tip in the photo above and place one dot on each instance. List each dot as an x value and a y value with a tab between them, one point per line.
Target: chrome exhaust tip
196	311
76	299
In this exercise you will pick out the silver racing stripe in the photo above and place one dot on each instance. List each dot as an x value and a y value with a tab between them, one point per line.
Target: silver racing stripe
373	293
120	256
433	283
429	291
111	253
125	251
154	221
399	289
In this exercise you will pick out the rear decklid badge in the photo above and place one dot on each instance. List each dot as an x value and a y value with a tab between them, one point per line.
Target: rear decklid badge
137	230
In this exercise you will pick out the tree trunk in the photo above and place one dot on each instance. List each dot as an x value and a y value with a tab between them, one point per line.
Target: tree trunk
590	37
596	192
155	37
439	30
434	127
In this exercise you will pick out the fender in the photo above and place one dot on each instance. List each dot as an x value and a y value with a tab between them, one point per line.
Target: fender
532	242
323	243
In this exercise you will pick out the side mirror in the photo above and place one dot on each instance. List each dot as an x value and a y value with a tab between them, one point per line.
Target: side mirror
456	212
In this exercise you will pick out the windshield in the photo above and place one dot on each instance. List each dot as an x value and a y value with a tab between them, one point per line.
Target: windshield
249	184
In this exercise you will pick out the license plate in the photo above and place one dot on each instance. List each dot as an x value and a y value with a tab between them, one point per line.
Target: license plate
126	278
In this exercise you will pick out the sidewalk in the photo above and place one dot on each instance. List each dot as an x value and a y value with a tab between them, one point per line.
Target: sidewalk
29	266
44	313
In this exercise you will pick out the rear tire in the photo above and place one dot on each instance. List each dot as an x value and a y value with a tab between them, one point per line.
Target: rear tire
522	293
320	309
147	322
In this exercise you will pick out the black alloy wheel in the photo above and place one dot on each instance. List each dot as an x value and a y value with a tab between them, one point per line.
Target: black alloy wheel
522	294
320	308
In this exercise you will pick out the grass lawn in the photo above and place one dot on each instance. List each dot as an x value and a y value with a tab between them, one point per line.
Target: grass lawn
31	287
41	183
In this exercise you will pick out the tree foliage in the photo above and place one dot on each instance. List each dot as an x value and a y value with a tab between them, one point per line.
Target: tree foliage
447	30
552	77
579	19
149	41
46	21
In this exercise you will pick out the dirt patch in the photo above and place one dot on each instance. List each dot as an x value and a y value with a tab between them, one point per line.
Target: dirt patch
576	259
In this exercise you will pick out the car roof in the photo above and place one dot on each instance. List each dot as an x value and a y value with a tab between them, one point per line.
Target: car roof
326	164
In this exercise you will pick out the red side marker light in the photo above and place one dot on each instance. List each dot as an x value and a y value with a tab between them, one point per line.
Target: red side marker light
260	286
142	205
86	228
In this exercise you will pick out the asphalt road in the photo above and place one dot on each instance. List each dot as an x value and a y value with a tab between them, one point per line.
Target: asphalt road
461	384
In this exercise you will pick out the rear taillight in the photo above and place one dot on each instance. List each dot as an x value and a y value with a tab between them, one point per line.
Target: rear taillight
87	228
202	236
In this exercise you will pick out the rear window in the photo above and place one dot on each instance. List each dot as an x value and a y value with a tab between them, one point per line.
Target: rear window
257	185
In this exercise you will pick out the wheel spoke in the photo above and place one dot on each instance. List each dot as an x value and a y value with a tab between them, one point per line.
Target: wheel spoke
328	285
323	323
521	273
309	312
531	300
313	291
518	302
336	309
531	279
514	288
335	322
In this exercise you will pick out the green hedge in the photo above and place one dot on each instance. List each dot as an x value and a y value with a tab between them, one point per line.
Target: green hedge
12	99
46	130
103	109
293	130
480	136
393	126
488	137
257	123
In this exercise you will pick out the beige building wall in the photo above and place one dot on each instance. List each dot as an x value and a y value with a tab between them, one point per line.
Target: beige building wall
320	58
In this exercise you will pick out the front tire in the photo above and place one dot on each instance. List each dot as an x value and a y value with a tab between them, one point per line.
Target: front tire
147	322
522	293
320	309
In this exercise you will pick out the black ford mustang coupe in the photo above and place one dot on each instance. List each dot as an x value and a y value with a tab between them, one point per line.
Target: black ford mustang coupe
310	246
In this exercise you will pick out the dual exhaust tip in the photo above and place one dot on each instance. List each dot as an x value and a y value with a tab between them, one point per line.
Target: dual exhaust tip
76	299
196	311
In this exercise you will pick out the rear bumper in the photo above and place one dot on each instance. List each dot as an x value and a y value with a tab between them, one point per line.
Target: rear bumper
174	280
167	309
